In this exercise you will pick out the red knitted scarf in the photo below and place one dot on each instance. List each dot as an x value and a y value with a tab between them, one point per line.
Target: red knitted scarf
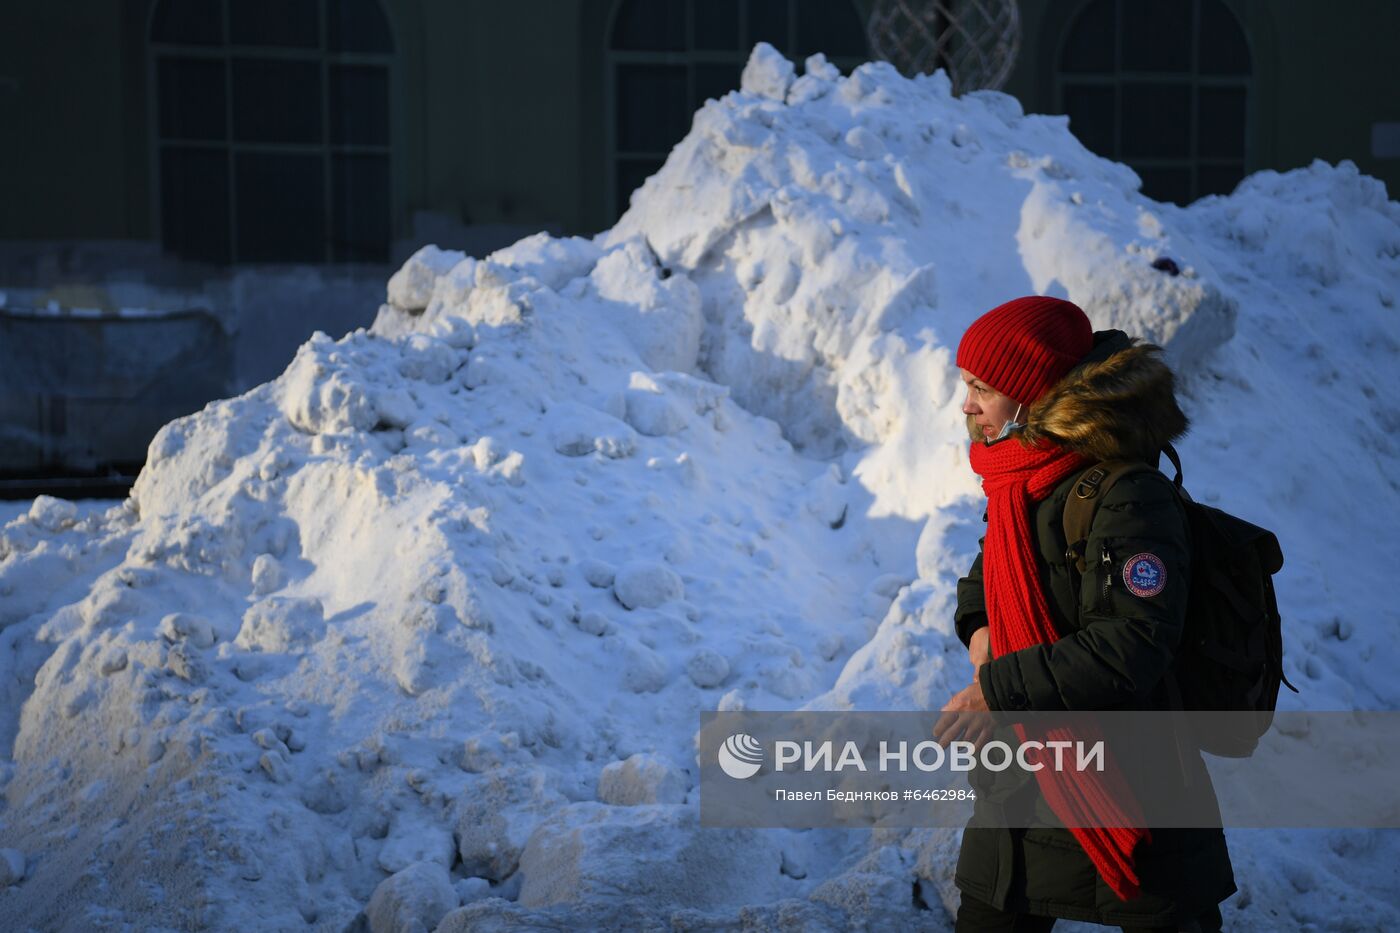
1013	477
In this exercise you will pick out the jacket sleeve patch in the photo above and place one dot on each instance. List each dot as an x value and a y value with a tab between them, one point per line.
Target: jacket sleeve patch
1145	574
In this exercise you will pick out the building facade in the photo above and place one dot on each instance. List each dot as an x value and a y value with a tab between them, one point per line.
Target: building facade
332	131
258	167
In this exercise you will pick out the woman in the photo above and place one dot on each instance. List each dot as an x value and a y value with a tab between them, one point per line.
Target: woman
1047	399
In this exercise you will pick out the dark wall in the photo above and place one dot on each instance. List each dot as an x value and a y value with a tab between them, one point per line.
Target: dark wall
498	109
501	91
72	104
1322	75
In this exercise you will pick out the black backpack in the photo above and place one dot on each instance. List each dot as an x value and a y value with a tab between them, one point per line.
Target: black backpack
1231	652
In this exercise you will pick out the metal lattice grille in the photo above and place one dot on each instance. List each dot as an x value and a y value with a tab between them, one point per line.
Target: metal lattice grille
974	41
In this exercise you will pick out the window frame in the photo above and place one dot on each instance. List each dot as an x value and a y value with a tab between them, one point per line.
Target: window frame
613	58
326	60
1192	78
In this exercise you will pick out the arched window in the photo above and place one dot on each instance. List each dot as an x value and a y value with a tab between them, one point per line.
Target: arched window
666	57
272	129
1162	85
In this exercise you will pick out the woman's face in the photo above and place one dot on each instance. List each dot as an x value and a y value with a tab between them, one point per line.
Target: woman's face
985	407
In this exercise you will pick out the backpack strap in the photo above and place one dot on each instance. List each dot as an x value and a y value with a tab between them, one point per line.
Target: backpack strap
1089	489
1175	458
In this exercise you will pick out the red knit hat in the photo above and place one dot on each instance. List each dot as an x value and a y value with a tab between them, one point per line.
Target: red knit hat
1025	346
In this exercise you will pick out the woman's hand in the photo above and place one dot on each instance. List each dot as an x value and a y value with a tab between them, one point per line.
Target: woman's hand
966	715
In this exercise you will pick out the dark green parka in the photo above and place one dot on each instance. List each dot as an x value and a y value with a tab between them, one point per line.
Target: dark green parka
1113	652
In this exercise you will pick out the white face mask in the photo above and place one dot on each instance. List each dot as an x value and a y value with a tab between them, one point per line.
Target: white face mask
1012	425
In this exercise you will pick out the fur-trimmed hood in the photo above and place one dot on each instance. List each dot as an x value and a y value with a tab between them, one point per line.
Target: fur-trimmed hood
1118	403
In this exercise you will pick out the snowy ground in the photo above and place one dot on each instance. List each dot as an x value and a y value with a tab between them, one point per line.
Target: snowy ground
11	509
441	604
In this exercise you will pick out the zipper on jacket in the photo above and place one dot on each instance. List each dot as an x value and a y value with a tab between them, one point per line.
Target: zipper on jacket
1106	564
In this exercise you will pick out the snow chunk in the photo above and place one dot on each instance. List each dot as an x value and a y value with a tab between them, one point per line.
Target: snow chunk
181	626
488	750
826	496
830	645
594	623
395	407
318	399
52	514
411	288
643	670
411	901
324	794
818	77
598	573
577	430
267	574
415	838
767	73
864	143
707	668
281	623
184	663
1004	107
658	313
12	867
472	889
589	852
783	680
554	262
428	359
430	433
113	661
641	779
496	816
652	413
646	584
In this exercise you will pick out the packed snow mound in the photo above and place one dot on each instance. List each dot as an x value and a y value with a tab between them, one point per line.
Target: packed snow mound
418	633
818	215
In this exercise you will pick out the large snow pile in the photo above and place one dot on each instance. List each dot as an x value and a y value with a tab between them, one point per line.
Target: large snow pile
421	629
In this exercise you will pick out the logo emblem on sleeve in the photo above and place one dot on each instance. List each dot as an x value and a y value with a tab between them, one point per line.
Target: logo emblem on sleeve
1145	574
